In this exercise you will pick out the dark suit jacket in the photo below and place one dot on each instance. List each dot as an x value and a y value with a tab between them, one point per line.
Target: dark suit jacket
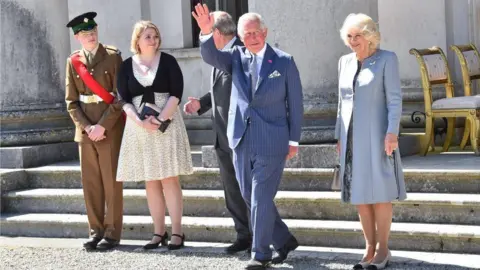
219	99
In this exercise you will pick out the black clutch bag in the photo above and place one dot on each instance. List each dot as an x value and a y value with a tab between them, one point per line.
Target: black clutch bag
164	125
153	110
148	111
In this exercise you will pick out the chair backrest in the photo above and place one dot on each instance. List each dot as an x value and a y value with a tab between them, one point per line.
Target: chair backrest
469	63
434	70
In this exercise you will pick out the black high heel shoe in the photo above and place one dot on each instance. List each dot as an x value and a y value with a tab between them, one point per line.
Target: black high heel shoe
174	246
163	241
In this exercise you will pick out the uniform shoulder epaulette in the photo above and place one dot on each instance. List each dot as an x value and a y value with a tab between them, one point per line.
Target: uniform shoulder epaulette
112	49
75	52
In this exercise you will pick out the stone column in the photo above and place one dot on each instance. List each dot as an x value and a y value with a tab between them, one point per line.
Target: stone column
175	22
34	46
309	30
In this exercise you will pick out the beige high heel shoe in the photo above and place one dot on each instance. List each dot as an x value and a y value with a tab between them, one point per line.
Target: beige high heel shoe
382	265
365	264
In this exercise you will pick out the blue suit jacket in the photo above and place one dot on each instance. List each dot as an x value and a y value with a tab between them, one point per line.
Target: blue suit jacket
274	114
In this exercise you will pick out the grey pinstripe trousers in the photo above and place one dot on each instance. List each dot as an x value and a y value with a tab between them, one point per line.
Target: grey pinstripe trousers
259	177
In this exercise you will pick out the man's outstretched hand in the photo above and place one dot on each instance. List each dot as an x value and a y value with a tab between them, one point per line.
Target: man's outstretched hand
204	18
192	106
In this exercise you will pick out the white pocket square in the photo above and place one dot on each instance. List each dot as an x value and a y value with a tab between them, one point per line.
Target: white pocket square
274	74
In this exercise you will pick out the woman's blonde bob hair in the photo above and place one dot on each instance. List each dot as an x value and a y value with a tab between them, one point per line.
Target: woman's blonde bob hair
138	30
365	24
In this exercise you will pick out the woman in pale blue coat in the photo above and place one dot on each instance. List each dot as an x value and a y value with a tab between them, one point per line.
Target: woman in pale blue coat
368	120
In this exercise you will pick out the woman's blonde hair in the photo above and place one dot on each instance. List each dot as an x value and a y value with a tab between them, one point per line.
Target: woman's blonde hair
363	22
138	30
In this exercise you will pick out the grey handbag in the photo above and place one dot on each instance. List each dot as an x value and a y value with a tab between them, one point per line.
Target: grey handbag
336	178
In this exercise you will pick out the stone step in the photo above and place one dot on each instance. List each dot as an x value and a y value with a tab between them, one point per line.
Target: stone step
315	155
418	179
419	207
344	234
309	156
201	137
37	155
196	152
41	155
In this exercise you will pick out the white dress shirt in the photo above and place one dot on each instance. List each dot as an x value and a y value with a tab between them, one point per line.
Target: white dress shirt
260	55
229	45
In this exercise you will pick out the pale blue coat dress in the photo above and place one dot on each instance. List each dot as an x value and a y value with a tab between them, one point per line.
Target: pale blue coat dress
372	110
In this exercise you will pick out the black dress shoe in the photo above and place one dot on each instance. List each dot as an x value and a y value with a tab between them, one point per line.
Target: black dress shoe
282	253
107	244
163	241
239	245
254	264
179	246
91	244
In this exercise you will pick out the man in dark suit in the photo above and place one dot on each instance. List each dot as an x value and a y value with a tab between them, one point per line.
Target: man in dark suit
264	125
224	30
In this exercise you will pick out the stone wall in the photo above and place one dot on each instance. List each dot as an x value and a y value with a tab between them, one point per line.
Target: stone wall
34	46
35	43
422	24
309	30
174	21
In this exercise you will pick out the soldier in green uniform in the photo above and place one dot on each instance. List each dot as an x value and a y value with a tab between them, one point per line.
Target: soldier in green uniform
92	104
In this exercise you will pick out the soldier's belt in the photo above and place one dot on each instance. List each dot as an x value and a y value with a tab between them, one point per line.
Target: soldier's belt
92	98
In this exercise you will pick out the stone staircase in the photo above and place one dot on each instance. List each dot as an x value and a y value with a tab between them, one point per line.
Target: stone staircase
441	214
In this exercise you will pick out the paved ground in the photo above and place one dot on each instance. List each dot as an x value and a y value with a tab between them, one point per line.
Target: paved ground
40	253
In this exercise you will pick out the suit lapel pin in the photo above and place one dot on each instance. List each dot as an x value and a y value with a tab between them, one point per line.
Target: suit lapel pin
269	61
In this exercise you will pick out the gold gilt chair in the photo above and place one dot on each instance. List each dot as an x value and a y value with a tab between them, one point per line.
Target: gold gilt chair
434	70
469	59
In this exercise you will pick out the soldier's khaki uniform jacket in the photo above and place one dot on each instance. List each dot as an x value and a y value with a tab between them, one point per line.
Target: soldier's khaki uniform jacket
104	67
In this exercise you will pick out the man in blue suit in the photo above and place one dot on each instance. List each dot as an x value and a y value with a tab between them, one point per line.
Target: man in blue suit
264	125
